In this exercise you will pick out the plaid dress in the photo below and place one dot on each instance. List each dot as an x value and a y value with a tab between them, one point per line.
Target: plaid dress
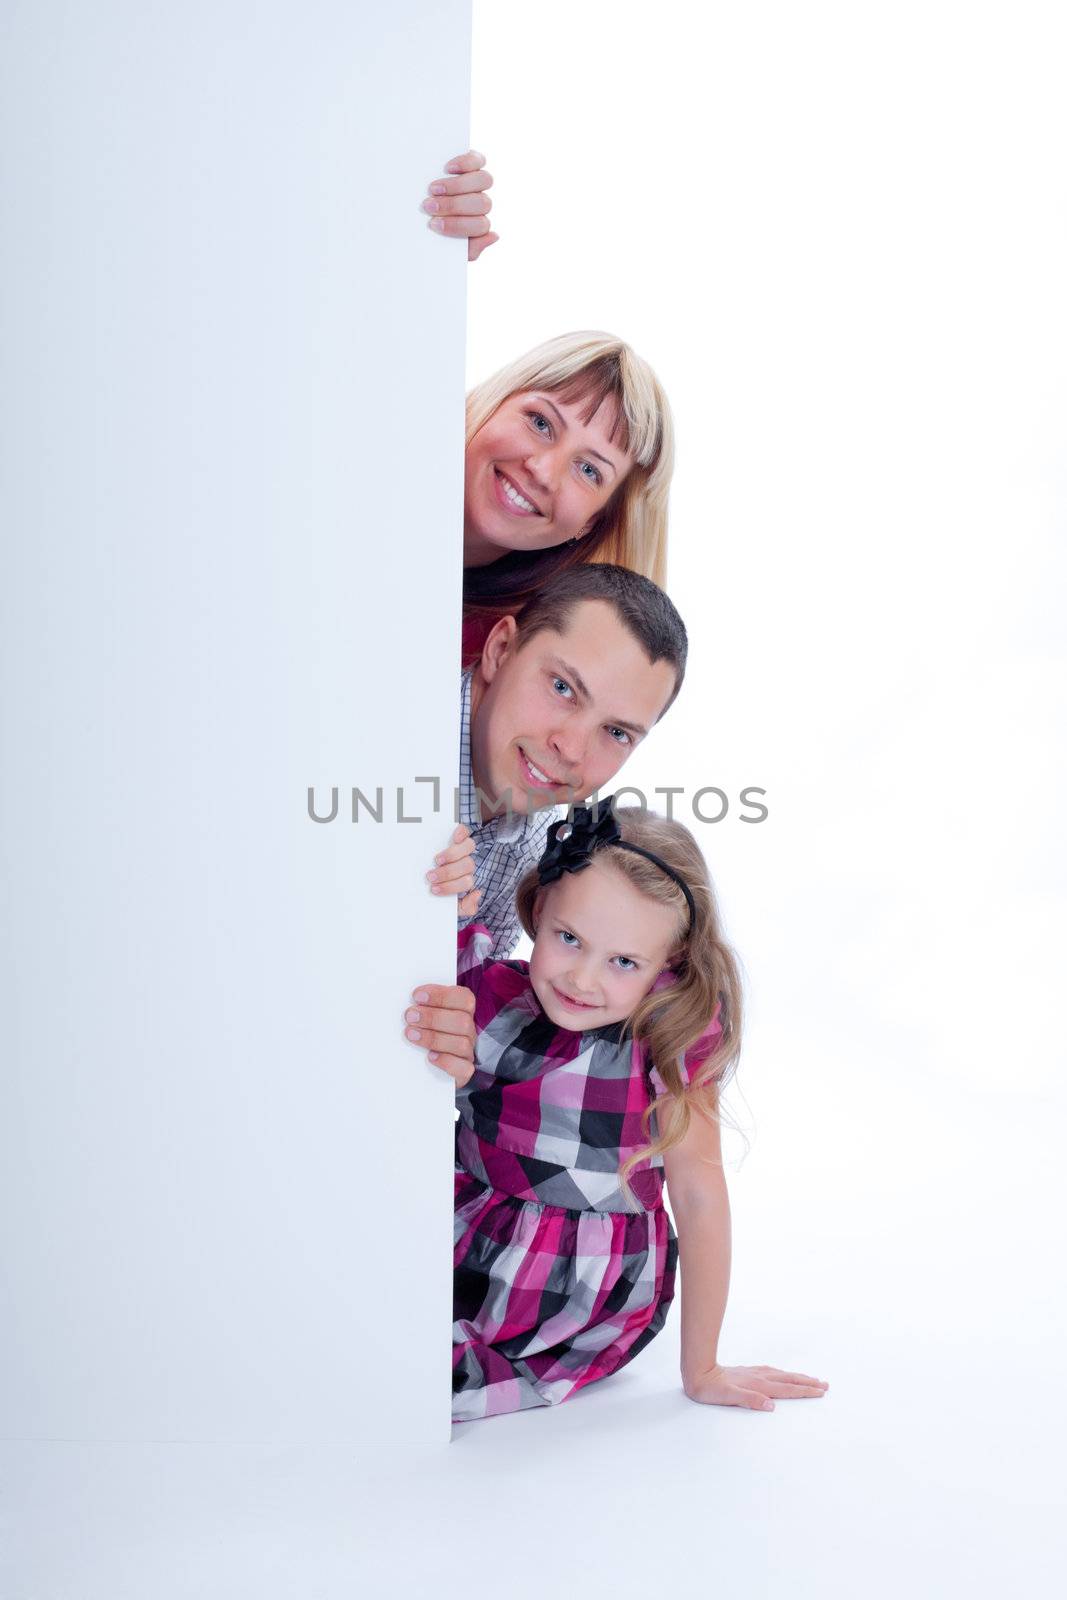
558	1280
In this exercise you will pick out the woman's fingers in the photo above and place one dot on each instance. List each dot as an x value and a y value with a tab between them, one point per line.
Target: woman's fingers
459	205
459	227
476	246
470	161
467	183
469	904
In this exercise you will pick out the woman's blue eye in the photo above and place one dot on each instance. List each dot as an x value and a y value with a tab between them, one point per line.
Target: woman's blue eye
596	478
558	682
565	936
624	736
536	417
630	966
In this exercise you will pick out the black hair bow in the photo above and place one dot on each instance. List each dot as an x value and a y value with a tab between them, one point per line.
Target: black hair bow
571	842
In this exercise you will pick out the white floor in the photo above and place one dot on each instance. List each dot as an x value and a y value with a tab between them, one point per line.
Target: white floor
933	1467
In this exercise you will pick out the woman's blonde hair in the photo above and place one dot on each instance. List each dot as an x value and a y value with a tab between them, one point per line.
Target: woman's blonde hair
707	985
631	529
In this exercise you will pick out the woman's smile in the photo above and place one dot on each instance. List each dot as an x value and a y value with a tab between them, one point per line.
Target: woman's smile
511	496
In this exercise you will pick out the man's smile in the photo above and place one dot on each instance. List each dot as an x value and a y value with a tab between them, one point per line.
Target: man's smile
537	777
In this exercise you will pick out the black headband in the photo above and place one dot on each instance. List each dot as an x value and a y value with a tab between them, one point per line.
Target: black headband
571	845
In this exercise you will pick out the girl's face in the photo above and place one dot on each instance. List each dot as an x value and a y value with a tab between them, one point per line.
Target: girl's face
600	946
537	475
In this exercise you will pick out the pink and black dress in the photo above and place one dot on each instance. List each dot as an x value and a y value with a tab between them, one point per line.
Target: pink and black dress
558	1280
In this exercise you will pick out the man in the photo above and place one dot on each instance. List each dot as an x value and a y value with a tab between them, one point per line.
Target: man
562	694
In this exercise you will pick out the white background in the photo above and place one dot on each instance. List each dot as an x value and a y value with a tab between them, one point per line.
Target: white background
839	234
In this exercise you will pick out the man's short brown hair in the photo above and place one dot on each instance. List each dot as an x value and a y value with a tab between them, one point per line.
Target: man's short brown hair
640	605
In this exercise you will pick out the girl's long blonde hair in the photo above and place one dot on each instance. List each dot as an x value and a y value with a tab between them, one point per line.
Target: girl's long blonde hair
708	976
631	530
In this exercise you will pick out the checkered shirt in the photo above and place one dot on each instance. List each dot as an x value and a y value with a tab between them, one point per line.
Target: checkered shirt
504	848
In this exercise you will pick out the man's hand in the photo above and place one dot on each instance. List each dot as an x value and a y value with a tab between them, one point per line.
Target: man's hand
754	1387
459	206
442	1022
453	872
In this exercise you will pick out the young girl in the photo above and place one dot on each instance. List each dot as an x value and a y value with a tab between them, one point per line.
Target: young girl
594	1070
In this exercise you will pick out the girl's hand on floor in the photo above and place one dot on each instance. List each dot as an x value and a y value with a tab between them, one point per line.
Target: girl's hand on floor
459	205
442	1022
453	872
754	1387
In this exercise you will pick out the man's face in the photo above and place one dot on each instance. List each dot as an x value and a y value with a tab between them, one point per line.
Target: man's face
555	721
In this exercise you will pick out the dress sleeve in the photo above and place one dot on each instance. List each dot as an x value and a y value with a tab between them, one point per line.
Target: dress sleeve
498	919
474	952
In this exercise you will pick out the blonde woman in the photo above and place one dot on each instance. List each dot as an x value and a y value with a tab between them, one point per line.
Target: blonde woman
569	454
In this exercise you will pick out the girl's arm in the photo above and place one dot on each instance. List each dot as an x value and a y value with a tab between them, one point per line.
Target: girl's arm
700	1202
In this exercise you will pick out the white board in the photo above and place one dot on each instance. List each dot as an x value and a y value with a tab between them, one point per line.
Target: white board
231	421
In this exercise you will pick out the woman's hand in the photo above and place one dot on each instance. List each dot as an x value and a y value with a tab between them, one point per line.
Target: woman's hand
754	1387
453	872
459	205
442	1022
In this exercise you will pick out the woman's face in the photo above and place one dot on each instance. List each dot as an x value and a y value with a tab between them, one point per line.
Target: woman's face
537	475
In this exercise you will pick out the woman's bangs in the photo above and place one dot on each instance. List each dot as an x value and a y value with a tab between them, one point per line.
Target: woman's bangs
635	425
